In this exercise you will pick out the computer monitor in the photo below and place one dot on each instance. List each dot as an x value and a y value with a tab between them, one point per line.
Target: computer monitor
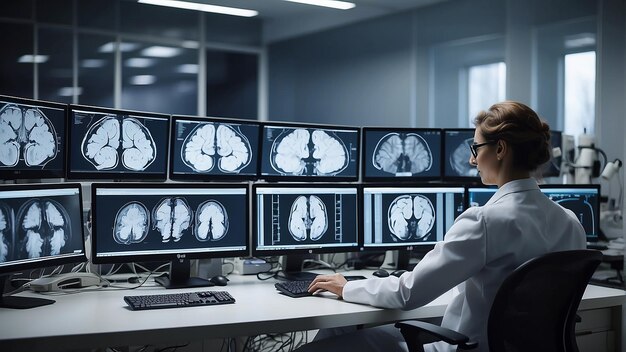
292	219
456	155
33	139
479	195
409	217
41	225
553	167
401	154
113	144
583	200
170	221
305	152
207	148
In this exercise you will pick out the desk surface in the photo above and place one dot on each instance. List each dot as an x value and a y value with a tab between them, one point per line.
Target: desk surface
101	318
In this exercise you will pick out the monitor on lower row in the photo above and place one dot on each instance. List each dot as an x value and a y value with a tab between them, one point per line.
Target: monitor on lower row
175	222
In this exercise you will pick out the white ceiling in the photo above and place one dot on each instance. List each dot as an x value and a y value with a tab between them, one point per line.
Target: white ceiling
284	19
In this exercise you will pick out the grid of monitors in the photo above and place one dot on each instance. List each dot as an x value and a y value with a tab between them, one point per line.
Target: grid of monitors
40	225
33	139
117	144
401	153
151	222
210	148
456	155
300	152
406	217
292	218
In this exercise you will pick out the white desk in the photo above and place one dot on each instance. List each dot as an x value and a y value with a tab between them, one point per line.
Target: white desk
101	318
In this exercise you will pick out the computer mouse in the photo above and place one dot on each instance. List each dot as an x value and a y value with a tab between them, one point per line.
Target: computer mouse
219	280
398	273
381	273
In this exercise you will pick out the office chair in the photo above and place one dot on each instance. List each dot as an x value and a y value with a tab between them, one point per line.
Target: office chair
534	308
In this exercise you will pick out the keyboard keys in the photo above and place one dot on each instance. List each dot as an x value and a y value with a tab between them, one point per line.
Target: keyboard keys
174	300
294	288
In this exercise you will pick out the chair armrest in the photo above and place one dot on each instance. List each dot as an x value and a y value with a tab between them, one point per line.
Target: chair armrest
415	327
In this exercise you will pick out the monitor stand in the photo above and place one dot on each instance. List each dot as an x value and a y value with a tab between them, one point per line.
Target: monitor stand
16	302
292	267
179	276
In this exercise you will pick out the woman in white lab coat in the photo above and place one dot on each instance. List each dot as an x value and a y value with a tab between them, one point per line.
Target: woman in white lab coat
482	247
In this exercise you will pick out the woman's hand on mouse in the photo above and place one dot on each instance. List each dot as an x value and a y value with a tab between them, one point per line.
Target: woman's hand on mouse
331	283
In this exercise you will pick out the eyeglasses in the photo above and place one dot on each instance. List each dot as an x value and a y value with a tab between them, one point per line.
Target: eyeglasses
474	147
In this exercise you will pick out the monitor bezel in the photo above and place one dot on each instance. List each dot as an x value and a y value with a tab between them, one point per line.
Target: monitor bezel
597	210
366	178
547	173
114	176
276	178
425	247
213	177
274	252
167	256
11	174
444	152
38	263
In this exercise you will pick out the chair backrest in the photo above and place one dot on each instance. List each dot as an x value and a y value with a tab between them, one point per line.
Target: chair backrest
535	307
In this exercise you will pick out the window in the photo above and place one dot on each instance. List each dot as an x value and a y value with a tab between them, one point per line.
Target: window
579	92
486	86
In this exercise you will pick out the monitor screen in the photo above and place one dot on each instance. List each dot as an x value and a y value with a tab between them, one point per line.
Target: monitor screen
553	167
117	144
456	155
396	153
306	152
406	217
41	225
211	148
33	139
305	218
479	196
151	222
583	200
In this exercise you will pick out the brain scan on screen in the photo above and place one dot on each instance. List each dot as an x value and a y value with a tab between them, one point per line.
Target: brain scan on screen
171	217
402	153
459	159
213	143
6	230
308	218
308	152
43	227
26	134
411	217
112	135
211	221
132	223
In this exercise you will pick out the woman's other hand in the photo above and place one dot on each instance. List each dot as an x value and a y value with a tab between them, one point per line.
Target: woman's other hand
331	283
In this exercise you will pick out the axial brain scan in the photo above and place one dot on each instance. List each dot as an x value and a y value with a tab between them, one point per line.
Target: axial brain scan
308	218
207	143
131	223
5	232
171	217
411	217
101	144
300	152
211	221
26	133
395	153
459	160
45	228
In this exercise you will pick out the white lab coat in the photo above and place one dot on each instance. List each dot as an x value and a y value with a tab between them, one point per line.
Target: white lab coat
482	247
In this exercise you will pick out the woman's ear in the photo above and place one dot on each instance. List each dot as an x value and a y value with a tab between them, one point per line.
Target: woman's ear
501	149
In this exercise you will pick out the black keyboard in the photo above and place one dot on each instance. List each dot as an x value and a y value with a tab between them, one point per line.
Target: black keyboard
299	288
174	300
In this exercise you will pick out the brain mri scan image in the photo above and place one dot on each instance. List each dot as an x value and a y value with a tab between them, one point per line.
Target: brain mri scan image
6	231
411	217
308	218
131	223
211	221
112	135
459	159
307	152
397	153
43	228
213	143
171	217
26	134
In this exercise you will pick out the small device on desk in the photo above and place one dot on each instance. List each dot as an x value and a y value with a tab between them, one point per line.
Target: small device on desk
175	300
62	282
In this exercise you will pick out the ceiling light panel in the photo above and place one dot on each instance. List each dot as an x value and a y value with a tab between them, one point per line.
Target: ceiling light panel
33	59
341	5
139	62
160	51
187	5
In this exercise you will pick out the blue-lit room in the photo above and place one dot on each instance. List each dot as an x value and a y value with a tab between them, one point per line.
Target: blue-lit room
312	175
